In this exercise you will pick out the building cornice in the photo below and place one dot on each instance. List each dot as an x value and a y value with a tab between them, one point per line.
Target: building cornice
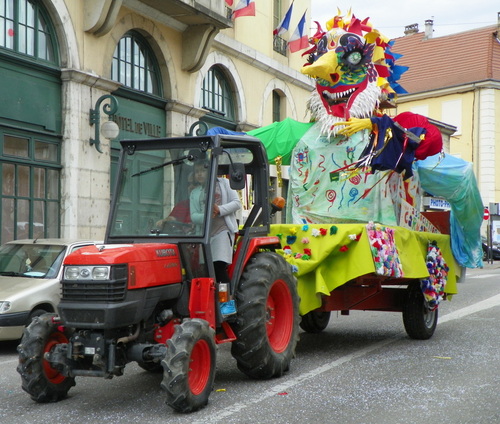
90	80
457	89
238	50
185	109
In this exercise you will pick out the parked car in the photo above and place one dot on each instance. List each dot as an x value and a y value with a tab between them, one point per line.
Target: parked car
30	273
495	249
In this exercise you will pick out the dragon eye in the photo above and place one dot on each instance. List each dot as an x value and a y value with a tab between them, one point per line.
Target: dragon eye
354	58
322	46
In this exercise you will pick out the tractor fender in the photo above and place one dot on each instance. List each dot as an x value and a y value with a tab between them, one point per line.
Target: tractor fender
250	248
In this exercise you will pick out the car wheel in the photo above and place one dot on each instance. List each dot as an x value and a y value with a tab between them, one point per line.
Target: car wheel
35	313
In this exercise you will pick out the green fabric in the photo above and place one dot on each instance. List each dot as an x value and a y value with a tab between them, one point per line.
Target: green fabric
280	138
328	267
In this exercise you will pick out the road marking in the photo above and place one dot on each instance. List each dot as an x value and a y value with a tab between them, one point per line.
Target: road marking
470	277
287	385
472	309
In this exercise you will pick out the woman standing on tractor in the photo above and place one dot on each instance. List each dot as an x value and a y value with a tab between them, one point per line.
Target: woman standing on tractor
224	225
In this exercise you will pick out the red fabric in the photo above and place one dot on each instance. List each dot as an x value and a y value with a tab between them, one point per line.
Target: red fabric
181	212
432	144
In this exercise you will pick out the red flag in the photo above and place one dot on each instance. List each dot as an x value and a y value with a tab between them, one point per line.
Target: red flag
299	40
244	8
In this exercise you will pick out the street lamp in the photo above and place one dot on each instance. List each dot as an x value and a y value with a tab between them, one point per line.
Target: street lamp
109	128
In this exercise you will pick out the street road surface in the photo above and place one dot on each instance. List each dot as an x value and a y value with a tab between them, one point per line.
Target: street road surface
362	369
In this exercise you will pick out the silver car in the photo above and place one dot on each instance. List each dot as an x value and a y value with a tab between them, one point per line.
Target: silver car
30	273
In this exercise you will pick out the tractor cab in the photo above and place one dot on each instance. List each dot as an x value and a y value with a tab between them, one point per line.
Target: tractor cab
158	179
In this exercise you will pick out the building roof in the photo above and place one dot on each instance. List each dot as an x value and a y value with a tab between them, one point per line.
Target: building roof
448	61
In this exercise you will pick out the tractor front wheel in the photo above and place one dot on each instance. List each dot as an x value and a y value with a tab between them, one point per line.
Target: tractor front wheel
189	366
39	379
267	325
420	322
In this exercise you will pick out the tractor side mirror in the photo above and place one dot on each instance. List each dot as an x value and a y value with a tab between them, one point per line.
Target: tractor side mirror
237	176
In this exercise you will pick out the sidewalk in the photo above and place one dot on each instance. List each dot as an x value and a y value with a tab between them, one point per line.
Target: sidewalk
493	265
488	267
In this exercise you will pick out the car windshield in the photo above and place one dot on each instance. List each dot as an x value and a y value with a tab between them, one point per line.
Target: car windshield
30	260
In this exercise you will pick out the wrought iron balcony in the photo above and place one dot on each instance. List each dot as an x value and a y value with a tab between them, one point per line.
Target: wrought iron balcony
279	45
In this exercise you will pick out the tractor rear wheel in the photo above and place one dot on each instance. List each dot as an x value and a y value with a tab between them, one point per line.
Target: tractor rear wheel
315	321
189	366
267	325
42	382
420	322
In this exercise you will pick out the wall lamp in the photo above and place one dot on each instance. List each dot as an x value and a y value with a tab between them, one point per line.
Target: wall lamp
109	129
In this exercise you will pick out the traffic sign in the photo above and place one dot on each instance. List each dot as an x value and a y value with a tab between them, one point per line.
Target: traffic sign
486	215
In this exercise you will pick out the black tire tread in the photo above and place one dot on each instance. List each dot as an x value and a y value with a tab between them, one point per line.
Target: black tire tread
30	350
176	365
252	351
414	314
315	321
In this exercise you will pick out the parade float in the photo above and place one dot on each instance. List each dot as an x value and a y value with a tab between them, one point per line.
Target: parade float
356	231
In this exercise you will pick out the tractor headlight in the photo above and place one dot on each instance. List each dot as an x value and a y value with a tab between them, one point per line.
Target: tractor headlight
100	273
86	272
71	272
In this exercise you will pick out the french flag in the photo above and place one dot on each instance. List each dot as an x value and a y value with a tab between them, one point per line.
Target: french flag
285	22
229	2
244	8
299	40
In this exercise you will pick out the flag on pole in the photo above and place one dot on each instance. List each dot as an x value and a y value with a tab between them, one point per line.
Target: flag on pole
299	40
229	2
244	8
285	22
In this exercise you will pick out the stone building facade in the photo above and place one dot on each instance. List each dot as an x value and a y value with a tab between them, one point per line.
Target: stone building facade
166	63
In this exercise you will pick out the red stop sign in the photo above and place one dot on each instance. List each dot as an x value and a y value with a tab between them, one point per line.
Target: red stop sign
486	215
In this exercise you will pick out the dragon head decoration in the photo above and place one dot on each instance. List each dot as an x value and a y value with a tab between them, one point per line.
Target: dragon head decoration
354	70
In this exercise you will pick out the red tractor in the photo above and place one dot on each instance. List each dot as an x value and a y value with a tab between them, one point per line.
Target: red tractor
149	293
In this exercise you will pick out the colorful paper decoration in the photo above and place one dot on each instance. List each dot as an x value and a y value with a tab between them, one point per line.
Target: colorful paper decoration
384	251
433	287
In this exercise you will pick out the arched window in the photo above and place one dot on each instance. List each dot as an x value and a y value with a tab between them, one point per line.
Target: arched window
25	28
277	106
134	64
217	98
30	122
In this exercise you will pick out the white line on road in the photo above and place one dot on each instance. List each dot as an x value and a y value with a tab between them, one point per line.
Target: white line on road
286	385
476	307
469	277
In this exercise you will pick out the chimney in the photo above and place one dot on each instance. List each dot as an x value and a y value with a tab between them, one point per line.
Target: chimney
496	34
411	29
428	28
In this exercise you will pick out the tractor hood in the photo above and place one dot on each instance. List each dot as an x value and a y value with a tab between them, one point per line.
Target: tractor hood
109	254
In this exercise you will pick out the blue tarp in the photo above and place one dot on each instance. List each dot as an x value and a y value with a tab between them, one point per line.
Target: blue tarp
453	179
221	130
